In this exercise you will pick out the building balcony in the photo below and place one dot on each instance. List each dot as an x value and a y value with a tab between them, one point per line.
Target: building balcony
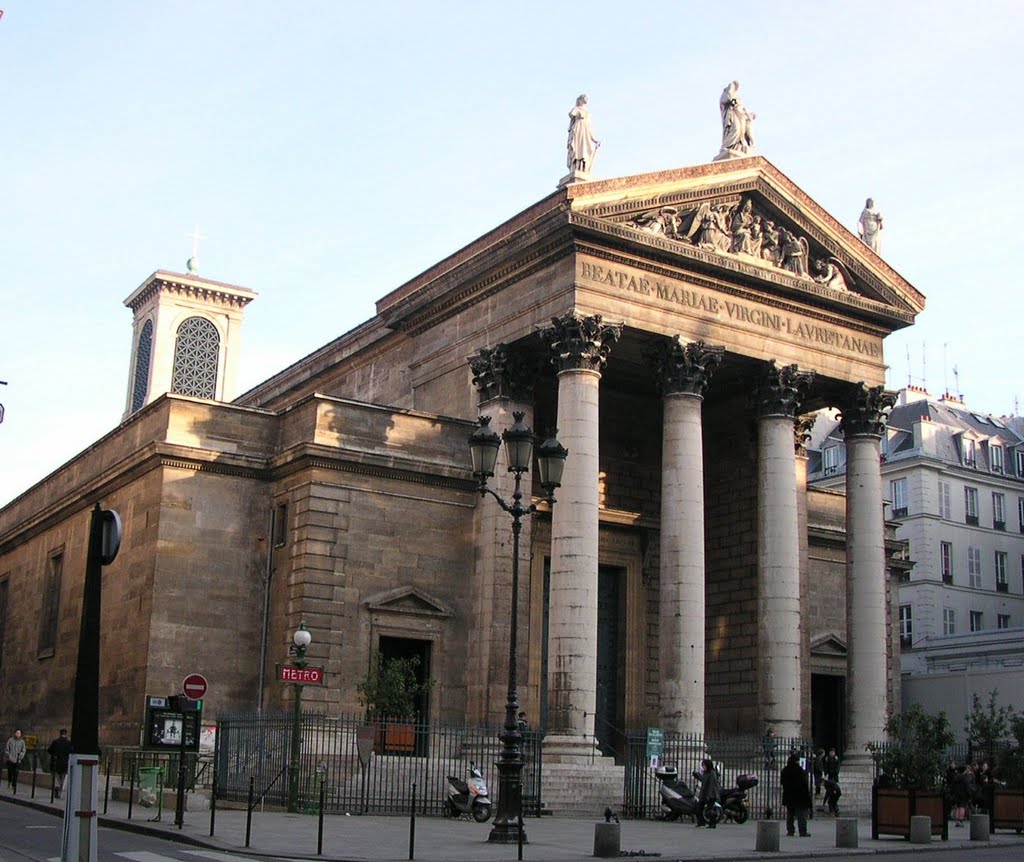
972	520
1002	587
999	525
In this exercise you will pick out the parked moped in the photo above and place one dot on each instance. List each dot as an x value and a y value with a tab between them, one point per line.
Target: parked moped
468	797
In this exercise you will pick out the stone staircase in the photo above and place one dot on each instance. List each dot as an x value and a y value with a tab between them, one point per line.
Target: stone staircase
582	789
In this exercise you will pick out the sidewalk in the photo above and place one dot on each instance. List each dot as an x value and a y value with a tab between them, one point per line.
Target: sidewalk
386	839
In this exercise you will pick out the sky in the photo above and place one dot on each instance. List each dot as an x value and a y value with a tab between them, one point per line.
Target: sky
330	151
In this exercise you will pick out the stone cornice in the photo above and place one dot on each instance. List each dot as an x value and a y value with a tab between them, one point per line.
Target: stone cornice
192	286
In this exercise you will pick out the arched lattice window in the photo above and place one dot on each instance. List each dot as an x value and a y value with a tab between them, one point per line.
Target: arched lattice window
196	353
143	356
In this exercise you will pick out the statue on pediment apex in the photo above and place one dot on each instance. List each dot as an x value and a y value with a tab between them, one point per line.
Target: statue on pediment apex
737	125
869	226
582	145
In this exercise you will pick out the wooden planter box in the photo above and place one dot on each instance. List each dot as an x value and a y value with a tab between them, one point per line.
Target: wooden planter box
394	737
892	808
1006	808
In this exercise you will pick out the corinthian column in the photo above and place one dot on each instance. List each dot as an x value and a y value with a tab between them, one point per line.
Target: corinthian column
863	422
579	347
778	550
683	374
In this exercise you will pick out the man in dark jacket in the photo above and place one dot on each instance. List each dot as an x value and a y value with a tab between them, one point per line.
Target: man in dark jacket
796	796
59	751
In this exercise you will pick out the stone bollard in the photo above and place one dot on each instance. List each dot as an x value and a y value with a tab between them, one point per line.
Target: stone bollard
979	827
920	829
767	836
607	838
846	832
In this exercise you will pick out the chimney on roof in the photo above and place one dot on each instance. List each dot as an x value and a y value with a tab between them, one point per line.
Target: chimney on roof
913	393
924	435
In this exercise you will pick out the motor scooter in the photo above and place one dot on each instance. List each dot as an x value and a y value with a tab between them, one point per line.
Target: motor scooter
677	799
734	800
468	797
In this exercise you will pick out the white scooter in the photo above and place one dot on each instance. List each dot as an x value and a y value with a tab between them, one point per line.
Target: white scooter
468	797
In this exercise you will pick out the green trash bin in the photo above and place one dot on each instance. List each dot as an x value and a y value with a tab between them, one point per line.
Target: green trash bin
151	789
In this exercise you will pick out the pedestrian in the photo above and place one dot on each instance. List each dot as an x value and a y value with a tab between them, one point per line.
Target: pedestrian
523	725
769	744
59	751
14	753
832	793
963	789
796	796
818	770
831	765
709	796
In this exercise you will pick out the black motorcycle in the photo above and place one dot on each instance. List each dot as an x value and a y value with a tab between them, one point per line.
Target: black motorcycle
734	800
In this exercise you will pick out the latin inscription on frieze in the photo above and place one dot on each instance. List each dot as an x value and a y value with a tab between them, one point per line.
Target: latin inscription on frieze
707	305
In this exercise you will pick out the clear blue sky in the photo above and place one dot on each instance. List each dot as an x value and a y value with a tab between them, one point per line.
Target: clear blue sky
332	150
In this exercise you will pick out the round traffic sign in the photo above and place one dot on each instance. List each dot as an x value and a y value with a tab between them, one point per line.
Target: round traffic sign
195	686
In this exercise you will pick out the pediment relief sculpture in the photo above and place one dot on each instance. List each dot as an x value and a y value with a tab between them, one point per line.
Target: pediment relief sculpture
408	600
744	230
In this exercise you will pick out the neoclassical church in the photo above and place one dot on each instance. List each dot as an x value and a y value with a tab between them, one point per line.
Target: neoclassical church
675	327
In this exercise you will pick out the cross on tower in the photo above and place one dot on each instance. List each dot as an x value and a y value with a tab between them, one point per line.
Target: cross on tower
193	262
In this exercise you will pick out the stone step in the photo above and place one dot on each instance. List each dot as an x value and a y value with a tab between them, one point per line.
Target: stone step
582	790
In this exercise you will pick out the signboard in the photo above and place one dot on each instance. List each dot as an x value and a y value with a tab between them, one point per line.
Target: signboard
655	742
195	686
165	726
300	675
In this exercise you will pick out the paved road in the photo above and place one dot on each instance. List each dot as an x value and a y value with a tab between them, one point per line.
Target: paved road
33	833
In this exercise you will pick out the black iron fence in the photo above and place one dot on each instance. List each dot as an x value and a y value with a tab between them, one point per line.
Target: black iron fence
257	746
733	756
123	763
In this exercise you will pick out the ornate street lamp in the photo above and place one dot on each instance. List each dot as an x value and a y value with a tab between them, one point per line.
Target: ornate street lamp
519	442
300	640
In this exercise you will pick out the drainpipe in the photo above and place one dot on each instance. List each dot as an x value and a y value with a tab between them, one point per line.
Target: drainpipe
268	576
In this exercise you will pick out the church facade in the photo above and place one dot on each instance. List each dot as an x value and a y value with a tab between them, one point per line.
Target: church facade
675	327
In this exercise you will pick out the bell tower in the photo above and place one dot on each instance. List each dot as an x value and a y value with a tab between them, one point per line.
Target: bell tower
185	339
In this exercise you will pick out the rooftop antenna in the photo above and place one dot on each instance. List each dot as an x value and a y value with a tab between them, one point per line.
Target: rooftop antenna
924	368
910	377
945	368
193	262
956	377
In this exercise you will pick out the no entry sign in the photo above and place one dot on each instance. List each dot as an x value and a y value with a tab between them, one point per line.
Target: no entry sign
195	686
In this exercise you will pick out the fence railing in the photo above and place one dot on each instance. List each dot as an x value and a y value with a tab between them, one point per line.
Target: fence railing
124	762
733	755
258	746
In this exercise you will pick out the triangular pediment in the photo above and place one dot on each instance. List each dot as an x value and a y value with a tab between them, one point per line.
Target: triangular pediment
746	219
829	644
408	600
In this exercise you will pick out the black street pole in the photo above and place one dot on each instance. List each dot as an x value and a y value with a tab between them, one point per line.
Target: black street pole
508	821
85	709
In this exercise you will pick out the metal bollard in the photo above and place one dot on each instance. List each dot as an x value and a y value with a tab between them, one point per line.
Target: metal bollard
320	825
213	801
131	789
106	788
519	837
412	824
248	810
846	832
920	829
980	827
767	840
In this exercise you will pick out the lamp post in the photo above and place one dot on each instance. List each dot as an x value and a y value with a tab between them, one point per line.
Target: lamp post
484	444
300	640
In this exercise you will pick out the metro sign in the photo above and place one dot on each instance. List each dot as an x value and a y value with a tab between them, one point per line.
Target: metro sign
300	675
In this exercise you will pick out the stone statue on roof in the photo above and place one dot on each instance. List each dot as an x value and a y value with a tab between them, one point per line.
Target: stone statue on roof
869	226
737	125
582	145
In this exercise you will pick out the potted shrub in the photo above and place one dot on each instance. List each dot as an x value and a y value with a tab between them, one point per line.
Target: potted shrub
989	728
911	771
391	692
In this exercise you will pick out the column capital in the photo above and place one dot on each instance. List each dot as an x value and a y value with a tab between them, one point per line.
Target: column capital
580	343
802	426
782	389
685	367
503	371
865	410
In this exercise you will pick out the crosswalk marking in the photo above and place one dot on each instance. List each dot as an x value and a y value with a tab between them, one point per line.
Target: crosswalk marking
229	857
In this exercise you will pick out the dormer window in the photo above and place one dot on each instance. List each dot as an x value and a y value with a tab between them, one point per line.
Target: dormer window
969	452
830	460
995	453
